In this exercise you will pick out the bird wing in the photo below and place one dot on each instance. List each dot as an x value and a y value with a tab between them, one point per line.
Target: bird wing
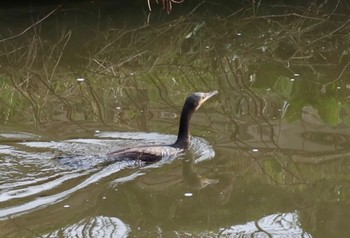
147	154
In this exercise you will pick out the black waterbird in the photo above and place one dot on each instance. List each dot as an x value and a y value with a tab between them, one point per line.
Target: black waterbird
153	153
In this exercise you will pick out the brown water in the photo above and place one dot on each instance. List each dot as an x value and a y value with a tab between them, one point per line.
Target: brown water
269	154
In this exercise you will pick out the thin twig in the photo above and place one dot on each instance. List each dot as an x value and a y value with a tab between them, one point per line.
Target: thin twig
31	26
67	36
331	33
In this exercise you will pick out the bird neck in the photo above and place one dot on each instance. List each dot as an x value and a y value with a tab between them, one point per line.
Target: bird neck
184	131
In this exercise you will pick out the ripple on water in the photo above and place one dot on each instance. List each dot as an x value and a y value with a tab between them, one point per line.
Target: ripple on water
18	165
100	226
29	170
19	136
276	225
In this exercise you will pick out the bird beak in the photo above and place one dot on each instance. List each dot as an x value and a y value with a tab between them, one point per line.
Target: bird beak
206	96
210	94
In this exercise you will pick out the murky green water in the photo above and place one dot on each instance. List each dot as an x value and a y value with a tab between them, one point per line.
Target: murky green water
269	155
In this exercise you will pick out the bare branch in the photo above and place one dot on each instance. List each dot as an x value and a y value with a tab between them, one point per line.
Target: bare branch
31	26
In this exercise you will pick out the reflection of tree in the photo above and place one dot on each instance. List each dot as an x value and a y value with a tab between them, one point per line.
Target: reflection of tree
167	4
301	91
188	60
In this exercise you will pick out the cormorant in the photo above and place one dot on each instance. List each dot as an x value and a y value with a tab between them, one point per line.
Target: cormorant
153	153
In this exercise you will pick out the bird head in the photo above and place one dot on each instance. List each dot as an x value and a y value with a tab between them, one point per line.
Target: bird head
195	100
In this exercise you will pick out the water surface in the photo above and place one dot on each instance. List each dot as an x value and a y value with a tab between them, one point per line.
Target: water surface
269	154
